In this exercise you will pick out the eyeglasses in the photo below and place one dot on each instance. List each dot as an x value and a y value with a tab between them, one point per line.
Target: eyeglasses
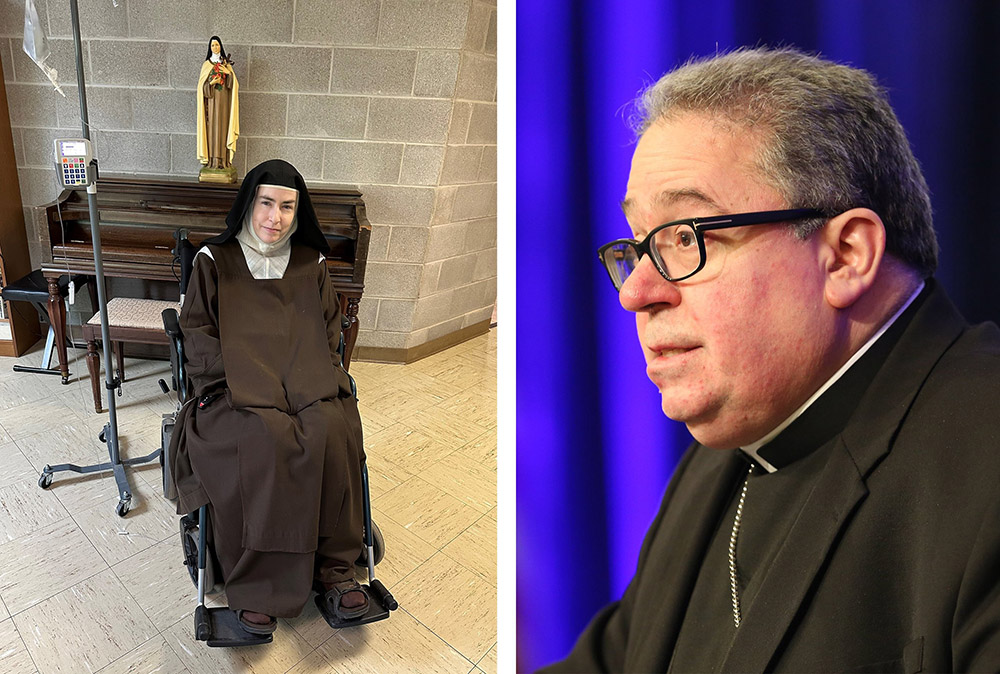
677	248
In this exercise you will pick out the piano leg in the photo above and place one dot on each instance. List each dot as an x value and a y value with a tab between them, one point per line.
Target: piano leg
57	319
94	367
352	332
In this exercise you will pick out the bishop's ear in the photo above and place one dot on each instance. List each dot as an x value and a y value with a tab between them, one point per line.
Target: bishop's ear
854	243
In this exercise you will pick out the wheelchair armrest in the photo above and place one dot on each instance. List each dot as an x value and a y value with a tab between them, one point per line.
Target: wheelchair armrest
171	324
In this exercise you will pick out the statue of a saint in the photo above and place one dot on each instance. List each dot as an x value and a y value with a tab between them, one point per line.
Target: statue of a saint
218	115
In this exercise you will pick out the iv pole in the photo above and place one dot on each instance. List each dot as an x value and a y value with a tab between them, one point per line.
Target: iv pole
110	433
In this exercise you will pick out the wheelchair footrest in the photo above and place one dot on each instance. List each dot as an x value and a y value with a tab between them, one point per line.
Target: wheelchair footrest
376	611
223	629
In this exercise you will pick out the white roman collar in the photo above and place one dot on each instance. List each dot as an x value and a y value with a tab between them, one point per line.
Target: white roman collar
752	448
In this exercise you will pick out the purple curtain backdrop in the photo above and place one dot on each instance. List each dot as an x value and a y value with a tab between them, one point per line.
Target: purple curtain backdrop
594	452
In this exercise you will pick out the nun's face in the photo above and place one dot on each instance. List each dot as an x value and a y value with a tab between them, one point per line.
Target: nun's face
273	212
216	47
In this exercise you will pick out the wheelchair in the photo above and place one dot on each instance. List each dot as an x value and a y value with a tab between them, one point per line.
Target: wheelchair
220	627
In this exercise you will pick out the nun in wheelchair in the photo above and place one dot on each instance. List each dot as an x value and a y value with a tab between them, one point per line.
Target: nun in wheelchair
271	438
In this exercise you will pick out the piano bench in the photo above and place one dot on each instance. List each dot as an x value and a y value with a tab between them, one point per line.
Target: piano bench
35	289
129	320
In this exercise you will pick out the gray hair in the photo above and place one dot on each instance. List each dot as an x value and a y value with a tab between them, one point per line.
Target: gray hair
830	138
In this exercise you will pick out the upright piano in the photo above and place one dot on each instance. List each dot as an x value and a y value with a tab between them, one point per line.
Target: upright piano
140	217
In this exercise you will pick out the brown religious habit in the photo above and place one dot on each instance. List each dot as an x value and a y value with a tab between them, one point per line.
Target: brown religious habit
278	454
217	104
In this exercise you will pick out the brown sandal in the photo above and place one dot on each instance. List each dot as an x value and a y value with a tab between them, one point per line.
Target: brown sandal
256	628
334	599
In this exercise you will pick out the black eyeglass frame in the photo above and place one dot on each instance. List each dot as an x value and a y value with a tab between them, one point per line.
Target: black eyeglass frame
700	226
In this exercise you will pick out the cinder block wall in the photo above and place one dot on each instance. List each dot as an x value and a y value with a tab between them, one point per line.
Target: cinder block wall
395	97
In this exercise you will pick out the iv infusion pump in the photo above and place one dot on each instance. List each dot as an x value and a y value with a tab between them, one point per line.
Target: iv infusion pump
73	162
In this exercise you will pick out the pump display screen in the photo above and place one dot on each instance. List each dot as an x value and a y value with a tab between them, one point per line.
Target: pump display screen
73	156
73	148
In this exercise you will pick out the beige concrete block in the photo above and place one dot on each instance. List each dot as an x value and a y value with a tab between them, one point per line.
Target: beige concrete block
164	110
392	280
62	57
367	314
421	164
395	315
291	69
133	64
362	162
108	108
253	21
263	114
416	338
491	34
378	244
31	104
437	23
336	23
305	155
409	120
133	151
486	264
12	17
381	339
458	129
444	204
446	240
429	278
483	124
97	19
15	135
446	328
180	19
407	244
184	61
461	164
327	116
481	234
38	145
457	271
479	315
8	58
436	73
475	201
373	71
184	154
479	23
469	298
488	165
393	205
477	77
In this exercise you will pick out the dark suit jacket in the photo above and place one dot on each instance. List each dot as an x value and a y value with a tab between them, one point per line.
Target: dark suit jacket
893	563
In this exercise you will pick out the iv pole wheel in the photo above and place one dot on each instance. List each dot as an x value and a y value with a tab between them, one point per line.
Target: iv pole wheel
123	507
45	479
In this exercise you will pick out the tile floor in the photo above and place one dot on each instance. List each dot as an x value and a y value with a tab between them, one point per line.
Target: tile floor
84	590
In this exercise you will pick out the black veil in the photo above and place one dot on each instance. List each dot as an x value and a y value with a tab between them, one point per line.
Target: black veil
281	173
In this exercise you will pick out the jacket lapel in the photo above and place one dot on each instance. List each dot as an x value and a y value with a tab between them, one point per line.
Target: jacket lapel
837	492
677	548
840	488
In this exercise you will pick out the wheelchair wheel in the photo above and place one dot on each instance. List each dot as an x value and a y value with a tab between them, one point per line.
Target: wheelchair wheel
378	548
190	539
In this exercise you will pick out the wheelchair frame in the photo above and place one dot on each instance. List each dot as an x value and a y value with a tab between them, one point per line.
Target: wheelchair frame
220	627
